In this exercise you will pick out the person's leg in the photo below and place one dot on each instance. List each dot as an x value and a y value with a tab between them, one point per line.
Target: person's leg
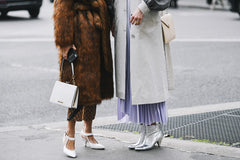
71	134
88	115
87	135
88	129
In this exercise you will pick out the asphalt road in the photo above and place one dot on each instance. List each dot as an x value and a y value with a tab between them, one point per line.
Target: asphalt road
205	58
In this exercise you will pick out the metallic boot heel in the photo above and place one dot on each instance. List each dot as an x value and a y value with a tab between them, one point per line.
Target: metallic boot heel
141	139
160	140
160	129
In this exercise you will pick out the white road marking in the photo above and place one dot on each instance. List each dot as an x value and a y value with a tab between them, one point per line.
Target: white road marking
2	40
208	40
44	69
26	40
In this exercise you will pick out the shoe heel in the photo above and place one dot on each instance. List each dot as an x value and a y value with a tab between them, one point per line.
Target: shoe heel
64	138
90	144
159	141
84	141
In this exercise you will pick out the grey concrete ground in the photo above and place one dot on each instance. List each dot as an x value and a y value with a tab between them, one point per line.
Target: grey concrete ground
43	145
44	142
206	66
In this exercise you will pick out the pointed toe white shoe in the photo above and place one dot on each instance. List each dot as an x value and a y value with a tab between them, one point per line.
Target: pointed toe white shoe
68	152
89	144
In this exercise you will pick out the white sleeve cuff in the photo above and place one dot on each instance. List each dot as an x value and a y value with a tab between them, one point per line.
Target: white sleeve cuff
143	7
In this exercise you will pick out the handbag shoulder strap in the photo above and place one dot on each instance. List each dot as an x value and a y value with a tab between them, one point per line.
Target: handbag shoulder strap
164	12
73	74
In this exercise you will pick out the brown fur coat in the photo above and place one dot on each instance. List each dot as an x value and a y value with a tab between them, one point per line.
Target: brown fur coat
86	24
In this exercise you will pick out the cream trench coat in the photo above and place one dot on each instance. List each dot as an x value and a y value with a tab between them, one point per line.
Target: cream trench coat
149	80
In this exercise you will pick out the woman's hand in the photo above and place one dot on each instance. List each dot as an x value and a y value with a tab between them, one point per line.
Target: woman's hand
64	50
137	17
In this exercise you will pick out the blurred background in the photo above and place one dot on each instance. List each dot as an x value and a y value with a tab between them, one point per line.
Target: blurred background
206	56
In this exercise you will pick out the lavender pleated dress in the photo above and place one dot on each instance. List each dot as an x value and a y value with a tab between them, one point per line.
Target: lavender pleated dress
144	113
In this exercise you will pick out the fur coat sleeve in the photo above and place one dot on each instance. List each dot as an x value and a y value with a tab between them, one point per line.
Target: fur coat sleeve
110	6
63	22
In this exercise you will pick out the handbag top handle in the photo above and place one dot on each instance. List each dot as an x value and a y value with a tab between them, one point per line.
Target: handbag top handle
73	74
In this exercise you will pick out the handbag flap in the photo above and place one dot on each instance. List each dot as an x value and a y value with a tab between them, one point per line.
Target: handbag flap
168	28
167	20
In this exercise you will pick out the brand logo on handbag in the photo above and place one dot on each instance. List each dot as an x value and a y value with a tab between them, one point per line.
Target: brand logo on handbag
59	101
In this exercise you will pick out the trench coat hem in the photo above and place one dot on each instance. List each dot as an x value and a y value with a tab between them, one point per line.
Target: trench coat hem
120	95
152	101
96	102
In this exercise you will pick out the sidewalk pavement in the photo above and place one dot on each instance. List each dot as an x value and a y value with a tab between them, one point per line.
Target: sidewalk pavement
44	142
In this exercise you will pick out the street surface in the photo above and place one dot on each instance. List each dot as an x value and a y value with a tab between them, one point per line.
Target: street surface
206	57
47	145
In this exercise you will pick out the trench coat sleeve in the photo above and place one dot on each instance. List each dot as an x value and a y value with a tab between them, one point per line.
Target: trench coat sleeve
143	7
63	18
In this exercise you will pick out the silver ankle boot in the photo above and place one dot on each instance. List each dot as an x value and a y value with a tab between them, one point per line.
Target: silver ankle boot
141	139
154	134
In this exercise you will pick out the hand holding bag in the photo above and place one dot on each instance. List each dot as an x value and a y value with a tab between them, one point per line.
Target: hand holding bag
168	27
65	94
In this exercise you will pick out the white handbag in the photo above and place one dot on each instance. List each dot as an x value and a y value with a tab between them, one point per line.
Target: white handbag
168	27
65	94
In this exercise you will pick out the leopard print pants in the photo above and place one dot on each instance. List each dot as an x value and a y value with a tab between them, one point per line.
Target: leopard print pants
86	113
